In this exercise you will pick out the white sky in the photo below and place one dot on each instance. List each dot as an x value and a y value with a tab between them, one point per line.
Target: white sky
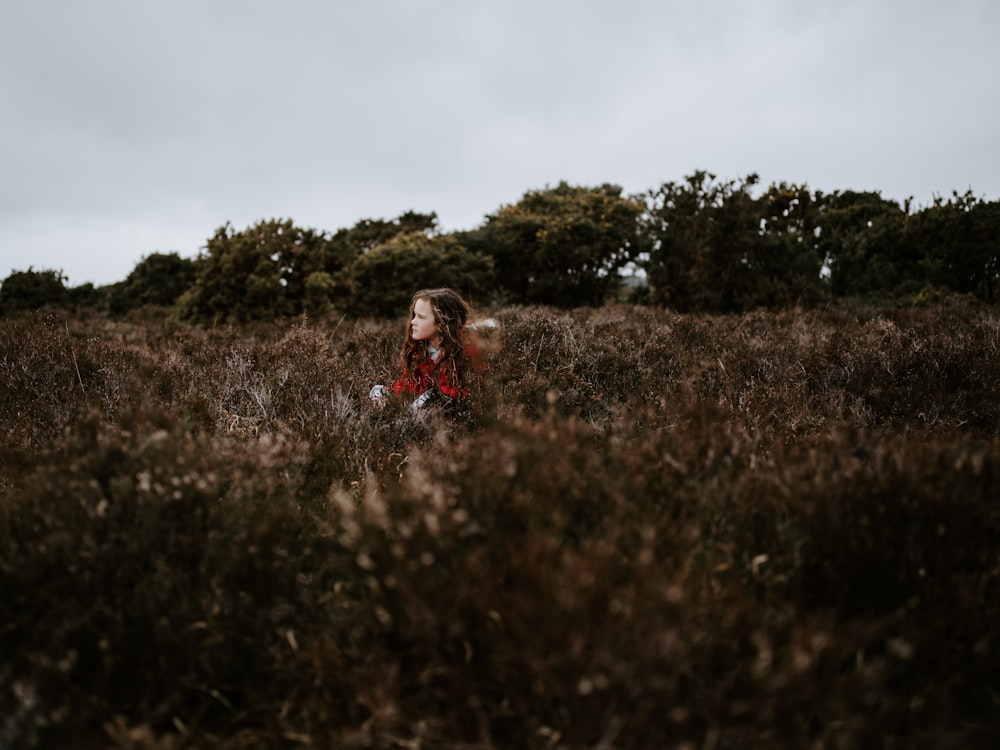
138	126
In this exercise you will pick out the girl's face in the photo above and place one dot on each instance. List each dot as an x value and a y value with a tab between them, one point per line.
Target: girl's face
422	324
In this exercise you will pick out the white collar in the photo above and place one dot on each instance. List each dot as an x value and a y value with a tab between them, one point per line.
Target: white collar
433	352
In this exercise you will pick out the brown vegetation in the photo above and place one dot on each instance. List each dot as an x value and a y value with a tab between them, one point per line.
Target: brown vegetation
775	530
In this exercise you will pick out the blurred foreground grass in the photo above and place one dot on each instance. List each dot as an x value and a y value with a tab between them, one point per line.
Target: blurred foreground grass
650	530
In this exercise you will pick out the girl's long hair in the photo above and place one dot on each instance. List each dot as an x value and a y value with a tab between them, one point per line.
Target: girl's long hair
451	313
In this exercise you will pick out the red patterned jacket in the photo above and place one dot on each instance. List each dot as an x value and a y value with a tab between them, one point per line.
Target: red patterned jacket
433	376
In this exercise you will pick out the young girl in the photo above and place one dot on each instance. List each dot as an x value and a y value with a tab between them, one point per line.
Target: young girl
439	353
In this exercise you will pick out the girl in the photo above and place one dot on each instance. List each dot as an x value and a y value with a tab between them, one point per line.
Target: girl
439	352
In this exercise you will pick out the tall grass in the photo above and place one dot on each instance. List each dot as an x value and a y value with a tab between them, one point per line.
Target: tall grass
649	530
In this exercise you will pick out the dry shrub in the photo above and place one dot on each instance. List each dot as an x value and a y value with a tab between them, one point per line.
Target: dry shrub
648	530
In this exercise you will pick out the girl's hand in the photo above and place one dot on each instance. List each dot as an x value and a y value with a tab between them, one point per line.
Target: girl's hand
422	399
378	394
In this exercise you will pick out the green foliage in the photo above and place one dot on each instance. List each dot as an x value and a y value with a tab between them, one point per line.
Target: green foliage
32	290
369	233
784	268
877	249
861	241
958	245
774	530
696	229
384	278
87	296
717	248
158	279
26	291
259	273
698	245
320	290
350	245
275	270
562	246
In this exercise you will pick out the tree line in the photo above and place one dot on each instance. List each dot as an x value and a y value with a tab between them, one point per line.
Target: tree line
701	244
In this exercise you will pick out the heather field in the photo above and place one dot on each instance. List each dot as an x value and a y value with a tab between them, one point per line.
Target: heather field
650	530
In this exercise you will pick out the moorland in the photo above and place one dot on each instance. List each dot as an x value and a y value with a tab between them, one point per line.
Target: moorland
649	529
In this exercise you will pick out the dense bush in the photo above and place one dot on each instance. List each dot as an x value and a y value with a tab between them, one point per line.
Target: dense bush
716	246
276	270
383	279
699	245
259	273
651	530
158	280
562	246
32	290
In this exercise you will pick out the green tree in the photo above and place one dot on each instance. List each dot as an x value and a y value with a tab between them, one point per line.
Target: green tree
275	269
881	250
784	267
860	237
562	246
158	279
320	291
30	290
718	248
977	261
258	273
958	243
699	230
87	295
349	244
384	278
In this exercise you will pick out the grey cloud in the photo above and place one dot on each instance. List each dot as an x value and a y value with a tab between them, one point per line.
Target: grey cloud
136	127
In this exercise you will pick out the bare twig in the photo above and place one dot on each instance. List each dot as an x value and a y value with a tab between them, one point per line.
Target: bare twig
72	351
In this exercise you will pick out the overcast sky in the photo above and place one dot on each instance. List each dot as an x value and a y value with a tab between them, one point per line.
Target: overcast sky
131	127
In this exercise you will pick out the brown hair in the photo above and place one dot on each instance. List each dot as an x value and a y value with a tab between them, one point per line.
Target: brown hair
451	313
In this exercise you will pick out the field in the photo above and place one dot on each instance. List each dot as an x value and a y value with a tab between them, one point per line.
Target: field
650	530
